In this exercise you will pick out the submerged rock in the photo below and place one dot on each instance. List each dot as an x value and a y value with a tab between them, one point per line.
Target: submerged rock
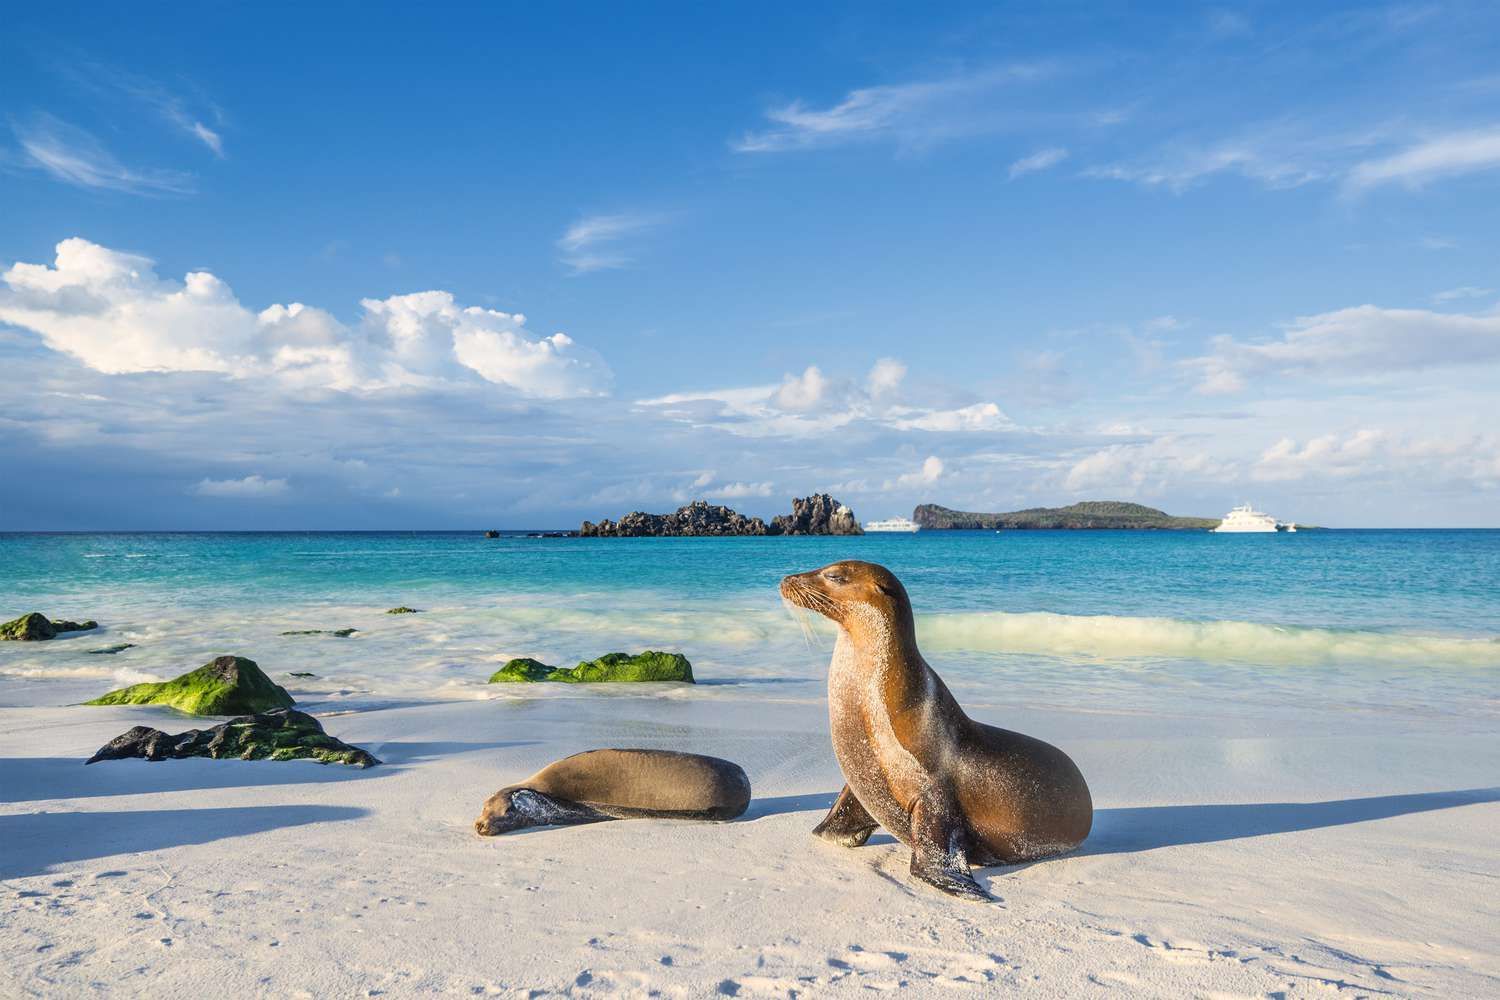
230	685
300	673
342	633
35	626
111	650
403	610
280	734
609	668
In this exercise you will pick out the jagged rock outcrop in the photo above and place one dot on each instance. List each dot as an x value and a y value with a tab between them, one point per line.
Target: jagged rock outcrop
819	514
35	627
609	668
696	519
229	685
280	734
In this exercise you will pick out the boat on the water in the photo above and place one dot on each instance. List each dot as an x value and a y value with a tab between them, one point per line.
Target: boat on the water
892	524
1246	519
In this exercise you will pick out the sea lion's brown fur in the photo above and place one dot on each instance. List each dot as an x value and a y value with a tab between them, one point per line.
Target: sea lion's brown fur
954	790
619	784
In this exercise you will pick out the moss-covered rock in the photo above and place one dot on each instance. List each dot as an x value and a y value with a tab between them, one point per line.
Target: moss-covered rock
35	626
111	650
342	633
403	610
523	668
280	734
230	685
609	668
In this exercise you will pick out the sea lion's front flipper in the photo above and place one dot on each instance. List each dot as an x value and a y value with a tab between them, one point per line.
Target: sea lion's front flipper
847	823
939	847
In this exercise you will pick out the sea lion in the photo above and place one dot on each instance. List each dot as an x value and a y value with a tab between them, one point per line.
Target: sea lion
956	791
619	784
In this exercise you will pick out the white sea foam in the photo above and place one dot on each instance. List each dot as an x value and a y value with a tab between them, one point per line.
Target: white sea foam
1112	637
120	675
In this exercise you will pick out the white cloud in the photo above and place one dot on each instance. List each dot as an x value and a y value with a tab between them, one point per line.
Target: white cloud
800	393
1462	292
885	377
912	113
812	404
251	487
930	472
978	417
1148	468
76	157
1362	340
1376	454
1452	155
183	113
1040	160
738	491
111	311
593	242
1181	167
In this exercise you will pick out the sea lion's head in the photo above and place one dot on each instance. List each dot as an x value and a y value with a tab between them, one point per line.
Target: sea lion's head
847	591
501	814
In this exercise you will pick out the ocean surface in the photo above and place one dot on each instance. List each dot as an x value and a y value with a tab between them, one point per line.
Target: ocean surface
1269	631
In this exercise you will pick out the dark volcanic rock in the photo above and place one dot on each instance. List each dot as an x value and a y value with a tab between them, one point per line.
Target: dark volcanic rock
696	519
35	626
403	610
111	650
280	734
819	514
342	633
492	534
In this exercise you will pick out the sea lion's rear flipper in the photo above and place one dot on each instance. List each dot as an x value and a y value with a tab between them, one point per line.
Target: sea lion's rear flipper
939	847
847	823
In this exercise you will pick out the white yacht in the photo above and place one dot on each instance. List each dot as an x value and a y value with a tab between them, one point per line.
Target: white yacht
1245	518
893	524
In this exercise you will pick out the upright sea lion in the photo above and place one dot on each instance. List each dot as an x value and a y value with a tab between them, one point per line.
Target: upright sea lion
954	790
619	784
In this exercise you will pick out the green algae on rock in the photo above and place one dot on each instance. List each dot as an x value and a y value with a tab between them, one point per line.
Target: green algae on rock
609	668
110	650
404	610
523	668
35	627
230	685
342	633
280	734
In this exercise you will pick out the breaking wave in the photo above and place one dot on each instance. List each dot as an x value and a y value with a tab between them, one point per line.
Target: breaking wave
1109	637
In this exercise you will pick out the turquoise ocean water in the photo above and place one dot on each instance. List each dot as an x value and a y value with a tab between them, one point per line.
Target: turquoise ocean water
1261	626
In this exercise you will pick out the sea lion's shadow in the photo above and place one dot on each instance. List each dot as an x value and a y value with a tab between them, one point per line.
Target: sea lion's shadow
1131	829
1144	828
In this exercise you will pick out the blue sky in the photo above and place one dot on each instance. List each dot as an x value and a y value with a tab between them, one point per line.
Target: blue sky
518	266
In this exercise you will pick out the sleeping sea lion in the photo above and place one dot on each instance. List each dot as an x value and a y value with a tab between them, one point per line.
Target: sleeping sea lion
619	784
956	791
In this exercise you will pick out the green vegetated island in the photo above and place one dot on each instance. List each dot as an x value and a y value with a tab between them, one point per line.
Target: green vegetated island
1095	514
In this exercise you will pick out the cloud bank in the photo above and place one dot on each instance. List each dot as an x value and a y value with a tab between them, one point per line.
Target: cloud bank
109	310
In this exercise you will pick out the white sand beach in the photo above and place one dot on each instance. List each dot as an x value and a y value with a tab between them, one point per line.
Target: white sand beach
1360	860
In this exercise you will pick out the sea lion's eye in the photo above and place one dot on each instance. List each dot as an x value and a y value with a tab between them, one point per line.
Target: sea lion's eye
834	577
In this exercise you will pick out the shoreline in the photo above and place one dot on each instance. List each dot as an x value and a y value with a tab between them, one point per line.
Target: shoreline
1228	864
